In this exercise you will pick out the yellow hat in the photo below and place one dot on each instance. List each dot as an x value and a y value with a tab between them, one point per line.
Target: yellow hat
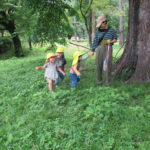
76	57
60	50
50	55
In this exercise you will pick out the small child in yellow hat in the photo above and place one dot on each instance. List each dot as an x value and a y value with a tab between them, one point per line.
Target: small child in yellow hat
51	67
61	62
74	71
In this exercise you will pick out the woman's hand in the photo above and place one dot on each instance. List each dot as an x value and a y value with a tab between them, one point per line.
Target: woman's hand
65	69
61	71
91	54
64	73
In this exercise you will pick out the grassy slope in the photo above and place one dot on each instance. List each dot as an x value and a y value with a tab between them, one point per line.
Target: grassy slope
89	118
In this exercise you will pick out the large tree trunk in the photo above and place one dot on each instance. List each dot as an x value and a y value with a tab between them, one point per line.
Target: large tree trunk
2	33
121	24
10	26
136	56
30	43
142	72
17	46
16	40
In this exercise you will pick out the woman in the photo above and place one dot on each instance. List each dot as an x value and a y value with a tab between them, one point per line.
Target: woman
104	38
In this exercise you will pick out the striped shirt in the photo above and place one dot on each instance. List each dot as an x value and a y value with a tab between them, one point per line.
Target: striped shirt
110	35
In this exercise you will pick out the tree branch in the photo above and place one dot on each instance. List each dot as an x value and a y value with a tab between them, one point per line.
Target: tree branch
89	7
79	45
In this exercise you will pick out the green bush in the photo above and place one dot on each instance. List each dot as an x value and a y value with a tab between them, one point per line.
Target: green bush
5	44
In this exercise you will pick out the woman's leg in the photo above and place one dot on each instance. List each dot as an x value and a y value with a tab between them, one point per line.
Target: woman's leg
99	63
109	65
61	77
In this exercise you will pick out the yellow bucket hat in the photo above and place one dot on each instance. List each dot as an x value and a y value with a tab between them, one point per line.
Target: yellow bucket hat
76	57
50	55
60	50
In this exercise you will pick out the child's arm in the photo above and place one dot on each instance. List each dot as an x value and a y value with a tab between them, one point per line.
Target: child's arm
61	71
85	57
76	71
65	68
64	64
42	67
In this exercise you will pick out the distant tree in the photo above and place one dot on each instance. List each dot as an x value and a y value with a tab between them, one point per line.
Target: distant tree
91	9
7	21
86	12
136	56
26	22
37	21
52	22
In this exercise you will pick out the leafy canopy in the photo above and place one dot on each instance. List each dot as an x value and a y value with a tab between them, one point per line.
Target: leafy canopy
52	23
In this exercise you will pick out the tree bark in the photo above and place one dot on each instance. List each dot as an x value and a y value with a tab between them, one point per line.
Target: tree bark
90	28
136	56
10	26
121	24
2	33
15	37
30	43
87	16
142	72
93	25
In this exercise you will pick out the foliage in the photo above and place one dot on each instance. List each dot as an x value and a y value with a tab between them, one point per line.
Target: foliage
52	23
109	8
89	118
5	44
106	7
39	21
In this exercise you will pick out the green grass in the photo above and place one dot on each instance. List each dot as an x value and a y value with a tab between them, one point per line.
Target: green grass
89	118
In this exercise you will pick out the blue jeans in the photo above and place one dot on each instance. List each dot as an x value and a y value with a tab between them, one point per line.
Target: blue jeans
74	80
61	76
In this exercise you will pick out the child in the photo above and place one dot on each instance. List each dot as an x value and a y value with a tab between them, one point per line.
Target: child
61	62
74	71
51	68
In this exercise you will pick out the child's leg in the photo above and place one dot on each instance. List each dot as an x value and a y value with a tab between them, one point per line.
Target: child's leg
74	80
78	78
50	84
57	82
61	76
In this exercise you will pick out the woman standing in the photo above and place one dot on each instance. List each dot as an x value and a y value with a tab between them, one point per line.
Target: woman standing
104	38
